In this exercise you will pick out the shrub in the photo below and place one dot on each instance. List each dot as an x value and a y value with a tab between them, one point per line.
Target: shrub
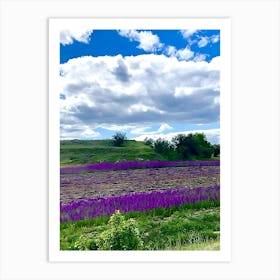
122	235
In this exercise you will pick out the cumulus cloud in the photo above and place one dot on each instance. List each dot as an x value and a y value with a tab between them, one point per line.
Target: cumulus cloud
77	131
171	50
212	135
182	54
200	57
185	53
137	91
193	36
68	36
164	127
188	33
204	41
146	130
148	41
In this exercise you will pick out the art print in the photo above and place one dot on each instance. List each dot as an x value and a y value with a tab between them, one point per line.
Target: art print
139	139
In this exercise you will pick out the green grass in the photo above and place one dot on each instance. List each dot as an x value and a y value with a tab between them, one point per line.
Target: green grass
186	227
207	245
75	152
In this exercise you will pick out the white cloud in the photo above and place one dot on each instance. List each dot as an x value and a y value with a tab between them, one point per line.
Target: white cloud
215	38
68	36
193	36
199	57
141	130
171	51
212	135
181	54
185	53
164	127
148	41
77	131
140	91
188	33
184	91
139	107
114	127
147	129
215	63
203	42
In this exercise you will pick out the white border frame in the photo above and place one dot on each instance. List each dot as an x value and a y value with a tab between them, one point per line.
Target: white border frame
57	25
24	55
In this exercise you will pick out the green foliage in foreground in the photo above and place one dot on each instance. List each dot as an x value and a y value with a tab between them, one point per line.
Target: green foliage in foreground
122	234
186	227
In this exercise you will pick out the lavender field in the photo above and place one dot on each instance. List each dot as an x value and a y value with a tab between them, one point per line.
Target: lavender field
96	207
174	203
101	189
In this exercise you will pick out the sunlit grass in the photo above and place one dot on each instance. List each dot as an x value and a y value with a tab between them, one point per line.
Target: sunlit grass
186	227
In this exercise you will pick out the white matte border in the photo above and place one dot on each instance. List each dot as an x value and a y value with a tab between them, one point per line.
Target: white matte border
55	27
24	128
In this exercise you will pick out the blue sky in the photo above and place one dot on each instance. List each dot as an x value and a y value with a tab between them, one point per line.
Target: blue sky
100	44
146	83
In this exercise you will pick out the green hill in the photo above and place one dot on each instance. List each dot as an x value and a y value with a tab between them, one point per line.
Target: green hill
75	152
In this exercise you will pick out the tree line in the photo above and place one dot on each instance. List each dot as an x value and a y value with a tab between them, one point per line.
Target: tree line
190	146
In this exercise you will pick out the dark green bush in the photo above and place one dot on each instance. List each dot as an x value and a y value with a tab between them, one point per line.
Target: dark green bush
162	146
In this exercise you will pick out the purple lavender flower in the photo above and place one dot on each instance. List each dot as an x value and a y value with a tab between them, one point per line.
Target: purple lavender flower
134	164
96	207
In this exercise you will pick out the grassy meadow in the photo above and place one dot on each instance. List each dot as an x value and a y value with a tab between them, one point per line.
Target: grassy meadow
75	152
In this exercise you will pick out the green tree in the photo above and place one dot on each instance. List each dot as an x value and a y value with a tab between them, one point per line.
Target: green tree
193	146
119	139
162	146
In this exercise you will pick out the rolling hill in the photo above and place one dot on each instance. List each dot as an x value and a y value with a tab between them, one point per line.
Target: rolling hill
75	152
